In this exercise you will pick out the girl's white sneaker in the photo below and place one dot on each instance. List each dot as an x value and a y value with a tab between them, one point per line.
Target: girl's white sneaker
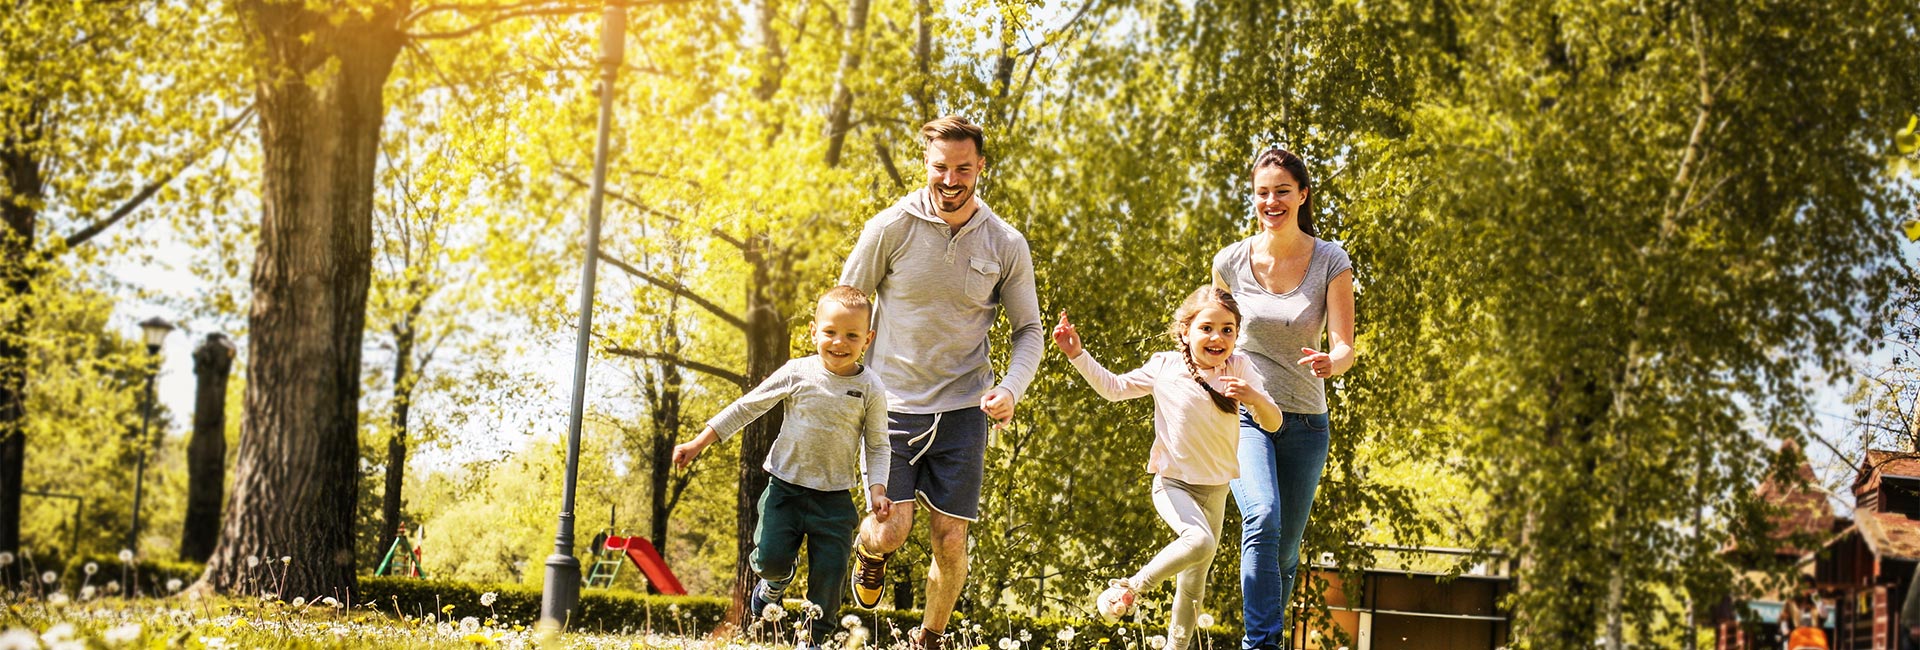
1117	600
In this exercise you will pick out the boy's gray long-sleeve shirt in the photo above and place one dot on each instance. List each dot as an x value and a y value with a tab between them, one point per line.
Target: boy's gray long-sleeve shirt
831	422
938	293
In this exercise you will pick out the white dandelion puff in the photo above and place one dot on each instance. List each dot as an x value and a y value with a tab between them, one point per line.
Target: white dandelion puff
1066	635
174	584
1205	620
91	568
253	561
850	621
488	599
126	555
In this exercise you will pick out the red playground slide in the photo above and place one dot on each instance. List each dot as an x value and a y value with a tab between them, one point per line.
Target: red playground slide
641	552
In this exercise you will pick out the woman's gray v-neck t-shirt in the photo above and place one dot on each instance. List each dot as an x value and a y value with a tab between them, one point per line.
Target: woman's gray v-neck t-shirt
1274	326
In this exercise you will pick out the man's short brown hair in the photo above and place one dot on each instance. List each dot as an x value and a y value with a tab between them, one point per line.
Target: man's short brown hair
955	128
848	297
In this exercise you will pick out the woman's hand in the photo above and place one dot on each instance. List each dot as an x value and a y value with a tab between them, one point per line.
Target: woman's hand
1321	362
1066	338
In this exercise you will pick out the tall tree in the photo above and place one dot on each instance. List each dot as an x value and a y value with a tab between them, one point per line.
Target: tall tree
96	123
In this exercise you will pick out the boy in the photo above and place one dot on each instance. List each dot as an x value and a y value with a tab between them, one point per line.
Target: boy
836	414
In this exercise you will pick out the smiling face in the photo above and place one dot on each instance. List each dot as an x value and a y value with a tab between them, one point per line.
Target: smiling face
1277	196
1211	335
953	169
840	334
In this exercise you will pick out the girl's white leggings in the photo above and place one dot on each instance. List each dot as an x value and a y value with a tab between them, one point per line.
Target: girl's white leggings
1195	513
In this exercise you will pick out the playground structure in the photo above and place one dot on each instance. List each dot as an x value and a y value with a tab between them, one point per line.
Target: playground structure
609	553
402	559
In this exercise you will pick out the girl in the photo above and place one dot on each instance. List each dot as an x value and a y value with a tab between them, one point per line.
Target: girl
1294	287
1197	393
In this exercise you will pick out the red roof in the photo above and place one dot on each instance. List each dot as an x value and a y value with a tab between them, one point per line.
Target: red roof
1890	535
1882	462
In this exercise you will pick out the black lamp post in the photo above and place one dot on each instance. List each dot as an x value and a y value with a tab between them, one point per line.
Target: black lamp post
562	590
155	331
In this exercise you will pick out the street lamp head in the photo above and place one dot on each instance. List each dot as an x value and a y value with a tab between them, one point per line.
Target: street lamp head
155	330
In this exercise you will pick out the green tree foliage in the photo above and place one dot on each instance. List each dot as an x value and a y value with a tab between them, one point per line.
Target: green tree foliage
102	122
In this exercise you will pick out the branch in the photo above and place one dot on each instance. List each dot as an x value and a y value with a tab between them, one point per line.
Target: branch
716	232
1062	30
735	378
679	290
140	198
505	13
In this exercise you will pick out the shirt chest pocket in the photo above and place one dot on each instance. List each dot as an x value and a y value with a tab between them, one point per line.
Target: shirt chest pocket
982	276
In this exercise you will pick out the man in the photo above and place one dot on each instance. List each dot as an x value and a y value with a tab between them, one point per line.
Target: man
942	265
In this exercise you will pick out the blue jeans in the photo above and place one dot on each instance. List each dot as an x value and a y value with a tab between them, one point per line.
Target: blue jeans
1279	472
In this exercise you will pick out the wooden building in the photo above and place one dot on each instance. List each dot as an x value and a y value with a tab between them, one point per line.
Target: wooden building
1411	609
1754	621
1867	568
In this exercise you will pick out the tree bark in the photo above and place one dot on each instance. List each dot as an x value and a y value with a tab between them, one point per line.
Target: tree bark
666	429
25	187
403	381
767	350
318	86
207	451
840	114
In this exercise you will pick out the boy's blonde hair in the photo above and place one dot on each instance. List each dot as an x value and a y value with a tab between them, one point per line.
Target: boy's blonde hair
848	297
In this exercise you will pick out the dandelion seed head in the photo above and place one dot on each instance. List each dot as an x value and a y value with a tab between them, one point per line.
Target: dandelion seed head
91	568
253	561
1205	620
773	612
174	584
850	621
286	559
113	586
126	555
87	592
1066	635
1026	636
1156	642
48	577
299	601
487	599
57	599
330	602
1007	643
6	558
122	635
469	625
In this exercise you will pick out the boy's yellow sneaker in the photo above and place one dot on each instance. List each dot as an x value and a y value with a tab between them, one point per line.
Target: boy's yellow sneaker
869	577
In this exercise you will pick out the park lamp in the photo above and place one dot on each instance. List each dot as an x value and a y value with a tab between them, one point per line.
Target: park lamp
155	330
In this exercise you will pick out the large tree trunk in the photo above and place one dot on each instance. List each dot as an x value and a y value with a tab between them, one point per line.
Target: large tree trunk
207	452
403	381
19	208
767	350
319	98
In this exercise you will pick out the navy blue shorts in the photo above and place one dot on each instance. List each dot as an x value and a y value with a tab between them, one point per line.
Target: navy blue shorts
939	466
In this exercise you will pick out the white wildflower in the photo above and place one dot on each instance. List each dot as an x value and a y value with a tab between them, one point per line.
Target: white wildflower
48	577
1156	642
330	602
1066	635
850	621
19	638
113	586
1007	643
286	559
1205	620
487	600
253	561
1026	636
215	642
773	612
126	555
173	584
6	559
58	633
299	601
87	592
810	610
91	568
57	599
122	635
469	625
856	638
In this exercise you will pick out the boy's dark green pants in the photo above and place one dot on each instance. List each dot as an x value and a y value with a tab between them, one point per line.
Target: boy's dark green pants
826	521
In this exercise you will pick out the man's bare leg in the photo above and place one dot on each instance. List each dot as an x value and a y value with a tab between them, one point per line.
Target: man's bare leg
881	538
948	575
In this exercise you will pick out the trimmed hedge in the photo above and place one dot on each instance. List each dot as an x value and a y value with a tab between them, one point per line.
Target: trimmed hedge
619	611
141	577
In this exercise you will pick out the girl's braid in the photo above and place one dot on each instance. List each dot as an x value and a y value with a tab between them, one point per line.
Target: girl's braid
1224	403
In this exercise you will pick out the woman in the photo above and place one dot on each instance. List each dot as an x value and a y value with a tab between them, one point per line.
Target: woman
1292	286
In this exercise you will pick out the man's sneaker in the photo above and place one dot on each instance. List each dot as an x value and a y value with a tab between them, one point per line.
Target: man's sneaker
768	594
869	577
1117	600
925	639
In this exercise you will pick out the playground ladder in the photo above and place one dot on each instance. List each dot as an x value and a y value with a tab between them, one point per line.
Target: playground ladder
607	561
